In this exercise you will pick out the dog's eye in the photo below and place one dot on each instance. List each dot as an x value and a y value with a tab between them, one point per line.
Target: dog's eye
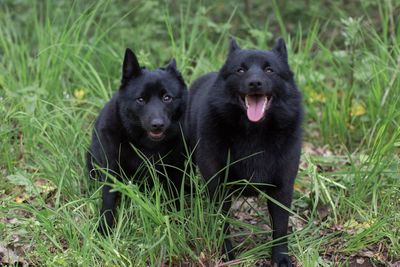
240	70
140	100
268	69
167	98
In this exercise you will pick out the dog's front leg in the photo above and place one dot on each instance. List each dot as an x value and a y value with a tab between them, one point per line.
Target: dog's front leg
108	209
280	218
211	160
227	248
109	201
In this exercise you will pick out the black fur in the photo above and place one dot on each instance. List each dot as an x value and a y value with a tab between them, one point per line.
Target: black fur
217	123
145	112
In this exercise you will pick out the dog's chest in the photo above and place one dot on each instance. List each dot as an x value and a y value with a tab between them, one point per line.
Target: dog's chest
252	158
131	159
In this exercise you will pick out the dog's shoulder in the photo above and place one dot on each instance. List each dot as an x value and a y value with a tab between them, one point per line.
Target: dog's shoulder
108	120
203	82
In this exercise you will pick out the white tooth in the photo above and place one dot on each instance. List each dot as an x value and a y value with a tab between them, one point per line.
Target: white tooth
265	103
246	101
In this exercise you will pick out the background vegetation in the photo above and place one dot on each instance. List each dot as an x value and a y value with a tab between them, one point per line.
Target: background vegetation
60	62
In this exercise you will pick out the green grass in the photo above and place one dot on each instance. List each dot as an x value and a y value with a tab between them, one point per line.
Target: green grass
60	63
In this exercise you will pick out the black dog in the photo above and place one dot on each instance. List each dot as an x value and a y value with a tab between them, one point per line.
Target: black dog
146	113
250	112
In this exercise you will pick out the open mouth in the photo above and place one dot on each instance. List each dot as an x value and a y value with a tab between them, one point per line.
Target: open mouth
256	105
156	135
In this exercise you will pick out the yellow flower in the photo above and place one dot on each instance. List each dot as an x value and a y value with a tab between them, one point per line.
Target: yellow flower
357	109
315	96
79	94
319	97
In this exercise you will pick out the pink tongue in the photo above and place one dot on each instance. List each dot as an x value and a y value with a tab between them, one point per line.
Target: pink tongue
255	109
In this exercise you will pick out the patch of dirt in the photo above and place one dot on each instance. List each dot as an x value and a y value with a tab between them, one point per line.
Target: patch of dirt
10	255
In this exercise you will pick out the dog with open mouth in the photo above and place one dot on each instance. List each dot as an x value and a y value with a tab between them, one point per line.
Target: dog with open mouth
146	114
247	118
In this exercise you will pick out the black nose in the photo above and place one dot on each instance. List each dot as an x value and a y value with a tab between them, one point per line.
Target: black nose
157	124
254	84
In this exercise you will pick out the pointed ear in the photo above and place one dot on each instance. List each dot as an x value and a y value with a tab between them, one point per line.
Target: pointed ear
280	49
171	67
130	66
233	45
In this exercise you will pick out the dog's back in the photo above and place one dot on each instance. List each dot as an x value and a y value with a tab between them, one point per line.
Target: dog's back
199	90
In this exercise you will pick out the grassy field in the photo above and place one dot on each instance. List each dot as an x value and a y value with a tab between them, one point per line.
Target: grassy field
60	63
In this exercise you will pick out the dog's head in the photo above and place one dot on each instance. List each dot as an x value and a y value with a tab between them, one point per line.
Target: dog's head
151	100
257	80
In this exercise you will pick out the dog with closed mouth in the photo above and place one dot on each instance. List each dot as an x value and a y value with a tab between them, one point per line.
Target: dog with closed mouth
144	115
249	112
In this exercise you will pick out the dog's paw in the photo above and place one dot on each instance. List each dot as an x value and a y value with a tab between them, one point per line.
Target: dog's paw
282	260
104	229
227	250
